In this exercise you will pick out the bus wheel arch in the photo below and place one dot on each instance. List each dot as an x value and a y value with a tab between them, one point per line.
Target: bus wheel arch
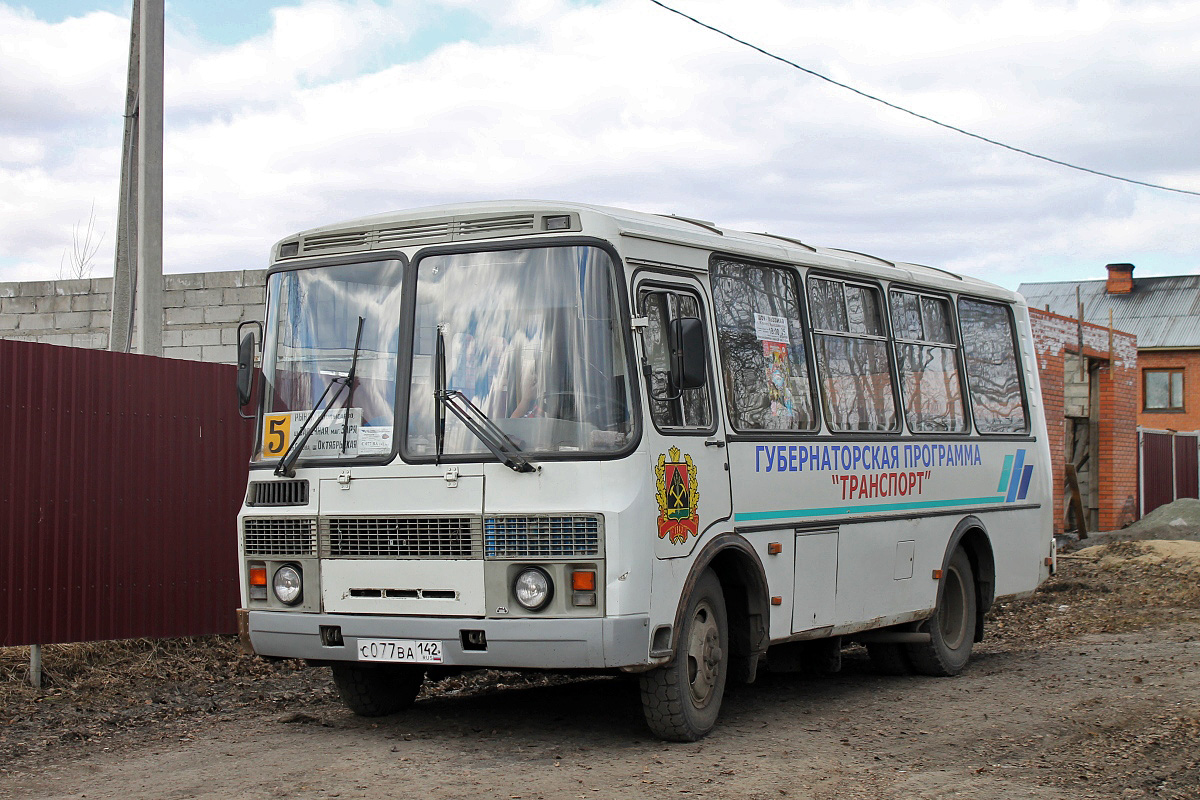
971	535
747	601
966	585
681	700
950	631
719	634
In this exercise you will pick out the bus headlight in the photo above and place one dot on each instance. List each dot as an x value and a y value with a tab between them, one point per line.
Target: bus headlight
533	588
287	585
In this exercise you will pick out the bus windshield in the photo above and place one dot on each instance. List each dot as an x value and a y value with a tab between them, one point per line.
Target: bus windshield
533	340
309	349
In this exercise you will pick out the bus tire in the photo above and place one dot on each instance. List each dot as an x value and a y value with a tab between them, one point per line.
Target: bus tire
888	658
376	690
681	700
951	629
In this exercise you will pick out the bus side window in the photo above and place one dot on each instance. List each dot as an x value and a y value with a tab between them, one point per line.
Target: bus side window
851	345
693	409
993	373
763	354
927	362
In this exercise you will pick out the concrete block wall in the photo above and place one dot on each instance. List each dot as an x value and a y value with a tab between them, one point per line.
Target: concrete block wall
201	312
1055	336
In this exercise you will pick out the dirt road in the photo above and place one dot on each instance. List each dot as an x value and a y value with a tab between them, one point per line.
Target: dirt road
1088	690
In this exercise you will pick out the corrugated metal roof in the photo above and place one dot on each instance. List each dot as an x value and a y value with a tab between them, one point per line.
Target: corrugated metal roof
1161	312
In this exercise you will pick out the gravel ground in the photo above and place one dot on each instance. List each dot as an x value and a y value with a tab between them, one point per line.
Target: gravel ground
1086	689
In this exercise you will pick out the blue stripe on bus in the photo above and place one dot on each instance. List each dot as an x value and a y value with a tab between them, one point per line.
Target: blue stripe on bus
1026	474
823	512
1018	463
1004	474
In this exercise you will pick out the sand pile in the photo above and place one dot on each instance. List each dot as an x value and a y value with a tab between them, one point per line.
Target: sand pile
1182	554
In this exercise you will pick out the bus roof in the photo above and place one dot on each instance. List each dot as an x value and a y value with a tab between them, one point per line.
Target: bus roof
501	218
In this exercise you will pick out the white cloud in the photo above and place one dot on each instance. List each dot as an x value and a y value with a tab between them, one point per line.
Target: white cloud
21	150
308	44
59	74
328	115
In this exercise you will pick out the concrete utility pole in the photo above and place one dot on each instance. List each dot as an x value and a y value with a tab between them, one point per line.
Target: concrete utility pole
120	329
146	116
148	307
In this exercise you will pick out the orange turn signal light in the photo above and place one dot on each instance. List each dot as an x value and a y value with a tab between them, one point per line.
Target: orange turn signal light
774	548
258	576
583	581
777	600
937	574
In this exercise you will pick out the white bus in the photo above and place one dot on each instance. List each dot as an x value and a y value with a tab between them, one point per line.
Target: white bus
565	437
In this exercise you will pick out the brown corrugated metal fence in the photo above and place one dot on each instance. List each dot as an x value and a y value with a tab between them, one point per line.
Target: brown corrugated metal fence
1187	481
120	481
1168	466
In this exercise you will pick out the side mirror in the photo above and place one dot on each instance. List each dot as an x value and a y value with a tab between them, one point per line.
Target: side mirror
689	358
245	368
245	365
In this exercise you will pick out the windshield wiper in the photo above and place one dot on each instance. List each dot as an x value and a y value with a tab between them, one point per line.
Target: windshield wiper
477	422
286	467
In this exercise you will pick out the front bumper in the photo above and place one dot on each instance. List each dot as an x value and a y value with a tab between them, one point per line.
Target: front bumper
593	643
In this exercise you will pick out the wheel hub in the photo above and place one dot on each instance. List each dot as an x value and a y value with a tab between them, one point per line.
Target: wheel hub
704	655
952	615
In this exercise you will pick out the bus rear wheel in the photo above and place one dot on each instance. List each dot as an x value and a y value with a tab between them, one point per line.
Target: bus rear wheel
951	629
681	700
376	690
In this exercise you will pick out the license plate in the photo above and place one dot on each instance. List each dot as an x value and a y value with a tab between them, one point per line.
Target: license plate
403	651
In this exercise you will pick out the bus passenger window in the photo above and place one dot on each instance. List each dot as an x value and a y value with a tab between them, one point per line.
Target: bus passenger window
764	360
992	370
850	343
928	363
693	409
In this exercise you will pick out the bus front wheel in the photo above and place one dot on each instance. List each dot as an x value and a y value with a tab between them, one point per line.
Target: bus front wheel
376	690
681	700
952	627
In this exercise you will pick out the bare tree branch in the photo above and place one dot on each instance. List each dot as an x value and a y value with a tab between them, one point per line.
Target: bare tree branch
76	261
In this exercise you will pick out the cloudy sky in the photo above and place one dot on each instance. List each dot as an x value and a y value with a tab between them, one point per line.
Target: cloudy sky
286	115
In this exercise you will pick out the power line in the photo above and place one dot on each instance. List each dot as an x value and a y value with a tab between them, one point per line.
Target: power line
947	126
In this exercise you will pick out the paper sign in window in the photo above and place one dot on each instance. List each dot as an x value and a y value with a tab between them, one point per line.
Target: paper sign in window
770	328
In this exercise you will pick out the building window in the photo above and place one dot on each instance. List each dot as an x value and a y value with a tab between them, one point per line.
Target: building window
1162	389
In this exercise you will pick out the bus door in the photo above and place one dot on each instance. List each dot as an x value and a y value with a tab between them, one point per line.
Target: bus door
685	434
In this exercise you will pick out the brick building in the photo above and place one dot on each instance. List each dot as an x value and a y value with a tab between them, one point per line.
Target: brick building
1164	314
1089	378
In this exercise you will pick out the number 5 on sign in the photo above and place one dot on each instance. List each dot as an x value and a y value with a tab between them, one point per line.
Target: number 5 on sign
277	432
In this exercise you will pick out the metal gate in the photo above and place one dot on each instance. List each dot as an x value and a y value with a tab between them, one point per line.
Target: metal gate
1168	466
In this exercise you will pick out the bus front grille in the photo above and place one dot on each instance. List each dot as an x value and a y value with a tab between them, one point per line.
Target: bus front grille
541	536
400	537
280	536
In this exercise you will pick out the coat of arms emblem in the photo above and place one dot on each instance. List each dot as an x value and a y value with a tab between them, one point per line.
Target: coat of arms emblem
678	494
